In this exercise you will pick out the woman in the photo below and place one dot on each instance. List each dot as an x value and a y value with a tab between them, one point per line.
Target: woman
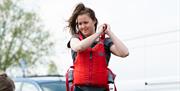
91	51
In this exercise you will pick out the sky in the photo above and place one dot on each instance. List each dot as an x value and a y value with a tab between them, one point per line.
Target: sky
129	20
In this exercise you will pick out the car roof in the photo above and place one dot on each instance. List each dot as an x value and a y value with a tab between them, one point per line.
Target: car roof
39	79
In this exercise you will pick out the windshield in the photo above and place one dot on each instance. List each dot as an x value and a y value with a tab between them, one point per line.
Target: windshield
53	86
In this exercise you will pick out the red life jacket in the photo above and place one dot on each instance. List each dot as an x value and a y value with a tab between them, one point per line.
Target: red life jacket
90	67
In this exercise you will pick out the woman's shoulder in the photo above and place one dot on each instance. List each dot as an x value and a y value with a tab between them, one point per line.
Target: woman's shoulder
108	42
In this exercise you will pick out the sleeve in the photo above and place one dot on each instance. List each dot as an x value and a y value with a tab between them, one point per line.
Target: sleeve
108	42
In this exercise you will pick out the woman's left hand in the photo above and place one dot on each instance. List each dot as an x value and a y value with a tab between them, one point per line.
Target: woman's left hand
107	29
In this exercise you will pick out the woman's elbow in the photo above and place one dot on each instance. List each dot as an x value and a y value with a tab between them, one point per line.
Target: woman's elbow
78	48
125	55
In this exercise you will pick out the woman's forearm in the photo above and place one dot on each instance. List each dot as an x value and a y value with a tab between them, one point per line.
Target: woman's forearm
120	49
85	43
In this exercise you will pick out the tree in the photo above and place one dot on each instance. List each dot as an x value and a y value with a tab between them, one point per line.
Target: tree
52	68
21	36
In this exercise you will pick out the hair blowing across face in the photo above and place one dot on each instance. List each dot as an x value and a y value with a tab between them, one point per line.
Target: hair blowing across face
80	9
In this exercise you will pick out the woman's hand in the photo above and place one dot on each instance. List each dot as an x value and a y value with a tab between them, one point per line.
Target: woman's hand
101	29
104	28
107	29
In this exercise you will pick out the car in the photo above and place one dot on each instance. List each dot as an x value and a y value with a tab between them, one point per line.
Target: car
40	83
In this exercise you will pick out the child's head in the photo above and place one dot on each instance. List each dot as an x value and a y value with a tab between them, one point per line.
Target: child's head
6	84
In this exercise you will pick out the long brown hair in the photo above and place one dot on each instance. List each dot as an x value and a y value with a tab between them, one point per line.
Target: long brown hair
79	10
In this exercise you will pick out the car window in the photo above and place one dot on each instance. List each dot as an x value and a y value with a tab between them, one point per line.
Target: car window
53	86
29	87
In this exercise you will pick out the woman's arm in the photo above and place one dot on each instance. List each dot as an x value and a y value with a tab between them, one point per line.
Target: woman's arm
118	48
78	45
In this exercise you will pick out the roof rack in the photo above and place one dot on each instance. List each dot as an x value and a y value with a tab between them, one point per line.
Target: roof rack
56	75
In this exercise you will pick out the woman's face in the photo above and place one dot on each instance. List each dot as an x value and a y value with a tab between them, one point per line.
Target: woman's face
86	25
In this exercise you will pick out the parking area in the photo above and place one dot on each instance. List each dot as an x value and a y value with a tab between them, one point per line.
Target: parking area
40	83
